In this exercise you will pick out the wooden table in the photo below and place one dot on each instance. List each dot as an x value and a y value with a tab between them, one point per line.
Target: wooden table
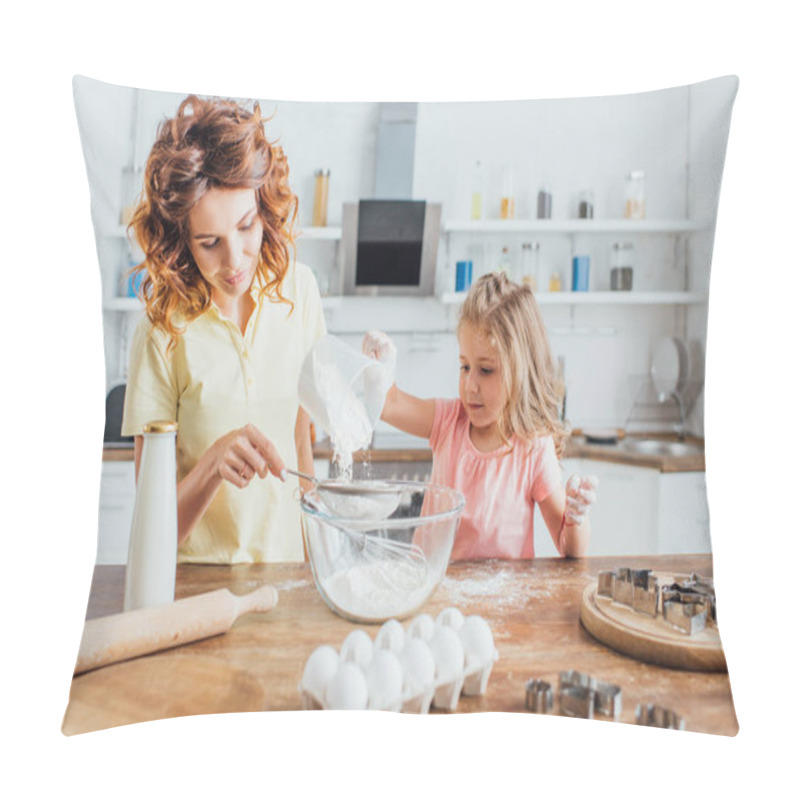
532	607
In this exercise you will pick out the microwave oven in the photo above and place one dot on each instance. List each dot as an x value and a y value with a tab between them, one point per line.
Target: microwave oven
389	247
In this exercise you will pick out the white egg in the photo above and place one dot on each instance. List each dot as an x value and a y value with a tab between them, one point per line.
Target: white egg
448	652
451	617
422	627
347	690
391	636
476	636
320	667
384	680
357	647
419	666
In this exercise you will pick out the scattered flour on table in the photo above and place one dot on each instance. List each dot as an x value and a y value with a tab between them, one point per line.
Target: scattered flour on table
287	586
487	584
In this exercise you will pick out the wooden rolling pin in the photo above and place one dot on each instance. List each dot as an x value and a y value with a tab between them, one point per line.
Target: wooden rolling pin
107	640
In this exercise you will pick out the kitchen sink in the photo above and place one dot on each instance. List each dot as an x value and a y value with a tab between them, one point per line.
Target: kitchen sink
662	447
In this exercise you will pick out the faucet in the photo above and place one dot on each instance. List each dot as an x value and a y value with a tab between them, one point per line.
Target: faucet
680	428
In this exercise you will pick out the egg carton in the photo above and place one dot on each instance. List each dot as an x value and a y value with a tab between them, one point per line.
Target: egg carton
431	664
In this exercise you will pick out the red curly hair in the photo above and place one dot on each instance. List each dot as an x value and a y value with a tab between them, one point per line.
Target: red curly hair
208	144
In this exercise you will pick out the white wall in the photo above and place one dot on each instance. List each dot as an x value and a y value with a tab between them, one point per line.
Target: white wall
676	136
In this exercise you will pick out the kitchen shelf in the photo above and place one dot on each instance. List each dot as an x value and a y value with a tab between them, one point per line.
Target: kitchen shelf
122	304
330	233
134	304
119	232
627	226
601	298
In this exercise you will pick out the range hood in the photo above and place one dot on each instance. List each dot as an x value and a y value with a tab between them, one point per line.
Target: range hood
394	151
390	242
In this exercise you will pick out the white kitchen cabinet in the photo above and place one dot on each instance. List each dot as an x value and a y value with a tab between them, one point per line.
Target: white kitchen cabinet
624	518
683	521
117	498
639	511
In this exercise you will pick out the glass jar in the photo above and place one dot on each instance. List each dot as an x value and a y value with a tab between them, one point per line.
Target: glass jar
320	215
586	204
621	266
555	282
505	262
476	204
529	267
544	204
507	198
634	195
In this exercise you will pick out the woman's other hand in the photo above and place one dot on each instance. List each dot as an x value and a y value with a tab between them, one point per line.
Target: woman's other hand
244	453
580	495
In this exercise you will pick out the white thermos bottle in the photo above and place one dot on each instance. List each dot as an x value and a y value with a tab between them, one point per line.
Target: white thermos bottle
152	552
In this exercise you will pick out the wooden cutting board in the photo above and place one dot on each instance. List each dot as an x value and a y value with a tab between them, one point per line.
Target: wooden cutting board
650	639
157	687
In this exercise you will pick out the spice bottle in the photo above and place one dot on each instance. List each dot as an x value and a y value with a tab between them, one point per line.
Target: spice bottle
634	195
505	262
622	266
586	204
320	215
507	199
476	206
544	204
528	264
150	574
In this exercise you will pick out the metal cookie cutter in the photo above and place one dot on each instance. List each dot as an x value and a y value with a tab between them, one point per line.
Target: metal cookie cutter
683	610
659	717
645	592
701	586
538	696
636	588
582	696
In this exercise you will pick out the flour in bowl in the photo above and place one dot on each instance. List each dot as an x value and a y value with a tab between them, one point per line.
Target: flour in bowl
362	589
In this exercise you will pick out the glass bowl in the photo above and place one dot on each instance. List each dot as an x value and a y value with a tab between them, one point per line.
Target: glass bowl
371	569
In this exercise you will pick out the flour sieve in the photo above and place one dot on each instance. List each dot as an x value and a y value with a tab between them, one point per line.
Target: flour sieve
357	499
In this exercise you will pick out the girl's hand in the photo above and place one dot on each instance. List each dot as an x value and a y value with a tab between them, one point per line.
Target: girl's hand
580	495
244	453
379	346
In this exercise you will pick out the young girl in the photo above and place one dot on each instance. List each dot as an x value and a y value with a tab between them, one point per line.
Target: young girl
500	442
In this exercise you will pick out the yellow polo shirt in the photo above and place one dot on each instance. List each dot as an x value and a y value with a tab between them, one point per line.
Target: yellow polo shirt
215	380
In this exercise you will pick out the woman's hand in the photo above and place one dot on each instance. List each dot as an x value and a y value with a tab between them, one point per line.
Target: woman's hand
242	454
580	495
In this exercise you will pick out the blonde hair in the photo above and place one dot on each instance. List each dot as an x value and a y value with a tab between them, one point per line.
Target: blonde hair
508	316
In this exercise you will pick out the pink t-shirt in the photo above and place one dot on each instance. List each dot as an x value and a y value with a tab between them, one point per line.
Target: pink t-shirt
501	487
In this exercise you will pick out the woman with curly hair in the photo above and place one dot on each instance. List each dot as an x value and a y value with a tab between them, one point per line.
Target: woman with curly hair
230	315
